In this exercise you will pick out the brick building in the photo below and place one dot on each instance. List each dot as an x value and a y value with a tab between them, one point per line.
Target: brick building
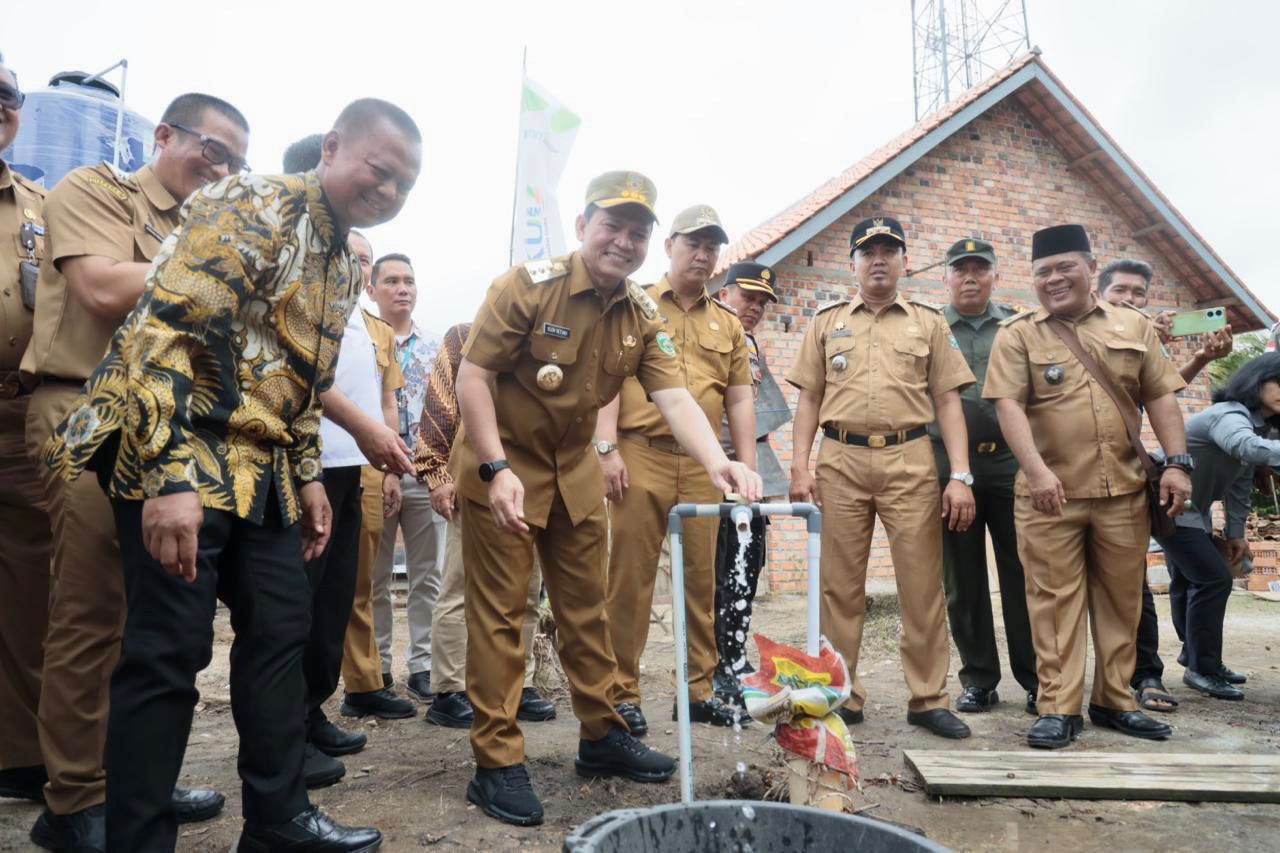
1011	156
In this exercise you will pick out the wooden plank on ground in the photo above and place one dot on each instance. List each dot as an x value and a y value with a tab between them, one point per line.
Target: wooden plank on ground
1099	775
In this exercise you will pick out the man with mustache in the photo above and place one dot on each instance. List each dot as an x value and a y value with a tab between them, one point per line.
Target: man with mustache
647	471
970	275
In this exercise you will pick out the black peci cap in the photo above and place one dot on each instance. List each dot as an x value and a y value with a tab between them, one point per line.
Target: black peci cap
1058	239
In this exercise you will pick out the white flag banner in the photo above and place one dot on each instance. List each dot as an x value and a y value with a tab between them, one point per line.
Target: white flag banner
547	130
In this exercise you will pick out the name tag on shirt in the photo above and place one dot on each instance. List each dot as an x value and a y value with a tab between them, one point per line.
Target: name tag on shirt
553	331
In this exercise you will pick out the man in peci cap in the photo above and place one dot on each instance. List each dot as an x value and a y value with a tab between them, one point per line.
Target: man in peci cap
873	372
969	276
553	342
647	471
1081	498
748	290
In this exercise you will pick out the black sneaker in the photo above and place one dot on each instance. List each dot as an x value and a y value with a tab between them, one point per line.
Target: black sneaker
319	770
419	685
332	740
534	708
24	783
84	831
383	703
633	717
505	793
312	830
715	712
621	754
452	710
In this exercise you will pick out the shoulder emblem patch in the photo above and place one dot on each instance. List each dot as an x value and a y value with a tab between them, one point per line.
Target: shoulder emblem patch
935	308
114	189
545	270
665	344
645	303
1015	318
831	305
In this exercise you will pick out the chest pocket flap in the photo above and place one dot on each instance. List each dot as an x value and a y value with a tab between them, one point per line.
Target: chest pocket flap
549	350
715	341
1048	356
911	346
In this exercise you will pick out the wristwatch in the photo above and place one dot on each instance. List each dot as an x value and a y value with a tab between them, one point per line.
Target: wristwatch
489	470
603	447
1180	460
963	476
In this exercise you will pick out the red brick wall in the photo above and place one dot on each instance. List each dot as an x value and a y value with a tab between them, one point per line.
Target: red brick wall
999	178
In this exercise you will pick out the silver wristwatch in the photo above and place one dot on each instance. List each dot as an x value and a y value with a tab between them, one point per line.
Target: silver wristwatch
603	447
964	477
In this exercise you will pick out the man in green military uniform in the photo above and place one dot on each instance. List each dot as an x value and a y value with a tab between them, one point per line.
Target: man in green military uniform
970	275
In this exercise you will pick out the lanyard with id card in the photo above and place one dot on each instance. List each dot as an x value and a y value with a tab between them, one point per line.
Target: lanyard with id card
28	270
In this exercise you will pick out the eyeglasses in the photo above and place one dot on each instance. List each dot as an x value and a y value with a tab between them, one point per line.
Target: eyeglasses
214	151
11	98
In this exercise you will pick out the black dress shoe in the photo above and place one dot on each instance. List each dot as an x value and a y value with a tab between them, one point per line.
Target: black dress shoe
387	681
452	710
976	700
534	708
726	686
941	722
505	793
850	716
192	805
1032	695
1132	723
384	704
319	770
633	717
313	831
24	783
332	740
715	712
1231	676
1211	685
1054	731
419	686
84	831
621	754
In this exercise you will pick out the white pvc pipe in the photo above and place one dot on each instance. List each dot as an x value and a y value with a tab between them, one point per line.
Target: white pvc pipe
814	592
685	736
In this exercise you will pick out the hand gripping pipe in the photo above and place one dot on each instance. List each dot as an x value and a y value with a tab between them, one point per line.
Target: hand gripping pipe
741	514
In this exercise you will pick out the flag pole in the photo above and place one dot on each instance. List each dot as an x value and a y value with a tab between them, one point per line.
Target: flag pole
515	194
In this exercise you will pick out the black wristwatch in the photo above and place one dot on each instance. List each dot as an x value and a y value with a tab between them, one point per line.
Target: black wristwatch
489	470
1180	460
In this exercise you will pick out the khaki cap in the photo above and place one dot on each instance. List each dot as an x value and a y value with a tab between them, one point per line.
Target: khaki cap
700	217
617	188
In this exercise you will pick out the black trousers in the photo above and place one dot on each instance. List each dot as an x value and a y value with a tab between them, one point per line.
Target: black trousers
1199	587
964	574
168	637
1148	663
332	576
736	592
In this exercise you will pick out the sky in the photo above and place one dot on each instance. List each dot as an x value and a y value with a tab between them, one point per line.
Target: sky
743	105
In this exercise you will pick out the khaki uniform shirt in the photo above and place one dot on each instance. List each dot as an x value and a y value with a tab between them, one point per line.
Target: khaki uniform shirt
1077	429
896	362
213	381
711	353
550	313
94	210
21	202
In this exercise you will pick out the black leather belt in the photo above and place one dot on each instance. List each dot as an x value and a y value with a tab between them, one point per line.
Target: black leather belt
986	448
886	440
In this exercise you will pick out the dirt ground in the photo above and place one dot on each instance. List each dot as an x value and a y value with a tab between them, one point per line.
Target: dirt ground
411	779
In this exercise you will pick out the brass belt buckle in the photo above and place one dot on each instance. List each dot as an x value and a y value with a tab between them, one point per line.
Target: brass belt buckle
876	441
985	447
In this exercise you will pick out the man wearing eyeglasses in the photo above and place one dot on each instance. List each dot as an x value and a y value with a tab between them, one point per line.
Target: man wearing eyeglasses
24	518
104	229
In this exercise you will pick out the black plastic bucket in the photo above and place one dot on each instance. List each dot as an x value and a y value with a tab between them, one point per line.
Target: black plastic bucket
739	826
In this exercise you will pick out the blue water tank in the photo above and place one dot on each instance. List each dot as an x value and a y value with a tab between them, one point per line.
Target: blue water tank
70	125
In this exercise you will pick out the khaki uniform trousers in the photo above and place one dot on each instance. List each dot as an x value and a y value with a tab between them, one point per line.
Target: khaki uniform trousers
449	621
86	618
1091	556
660	480
498	575
361	662
900	484
24	589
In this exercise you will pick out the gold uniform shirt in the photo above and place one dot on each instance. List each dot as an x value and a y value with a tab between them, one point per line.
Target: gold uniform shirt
550	313
896	362
21	201
711	354
1077	429
93	210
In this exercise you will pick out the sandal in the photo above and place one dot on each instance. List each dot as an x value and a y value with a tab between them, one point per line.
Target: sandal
1152	696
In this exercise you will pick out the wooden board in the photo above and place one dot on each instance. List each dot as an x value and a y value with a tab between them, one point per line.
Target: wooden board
1099	775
